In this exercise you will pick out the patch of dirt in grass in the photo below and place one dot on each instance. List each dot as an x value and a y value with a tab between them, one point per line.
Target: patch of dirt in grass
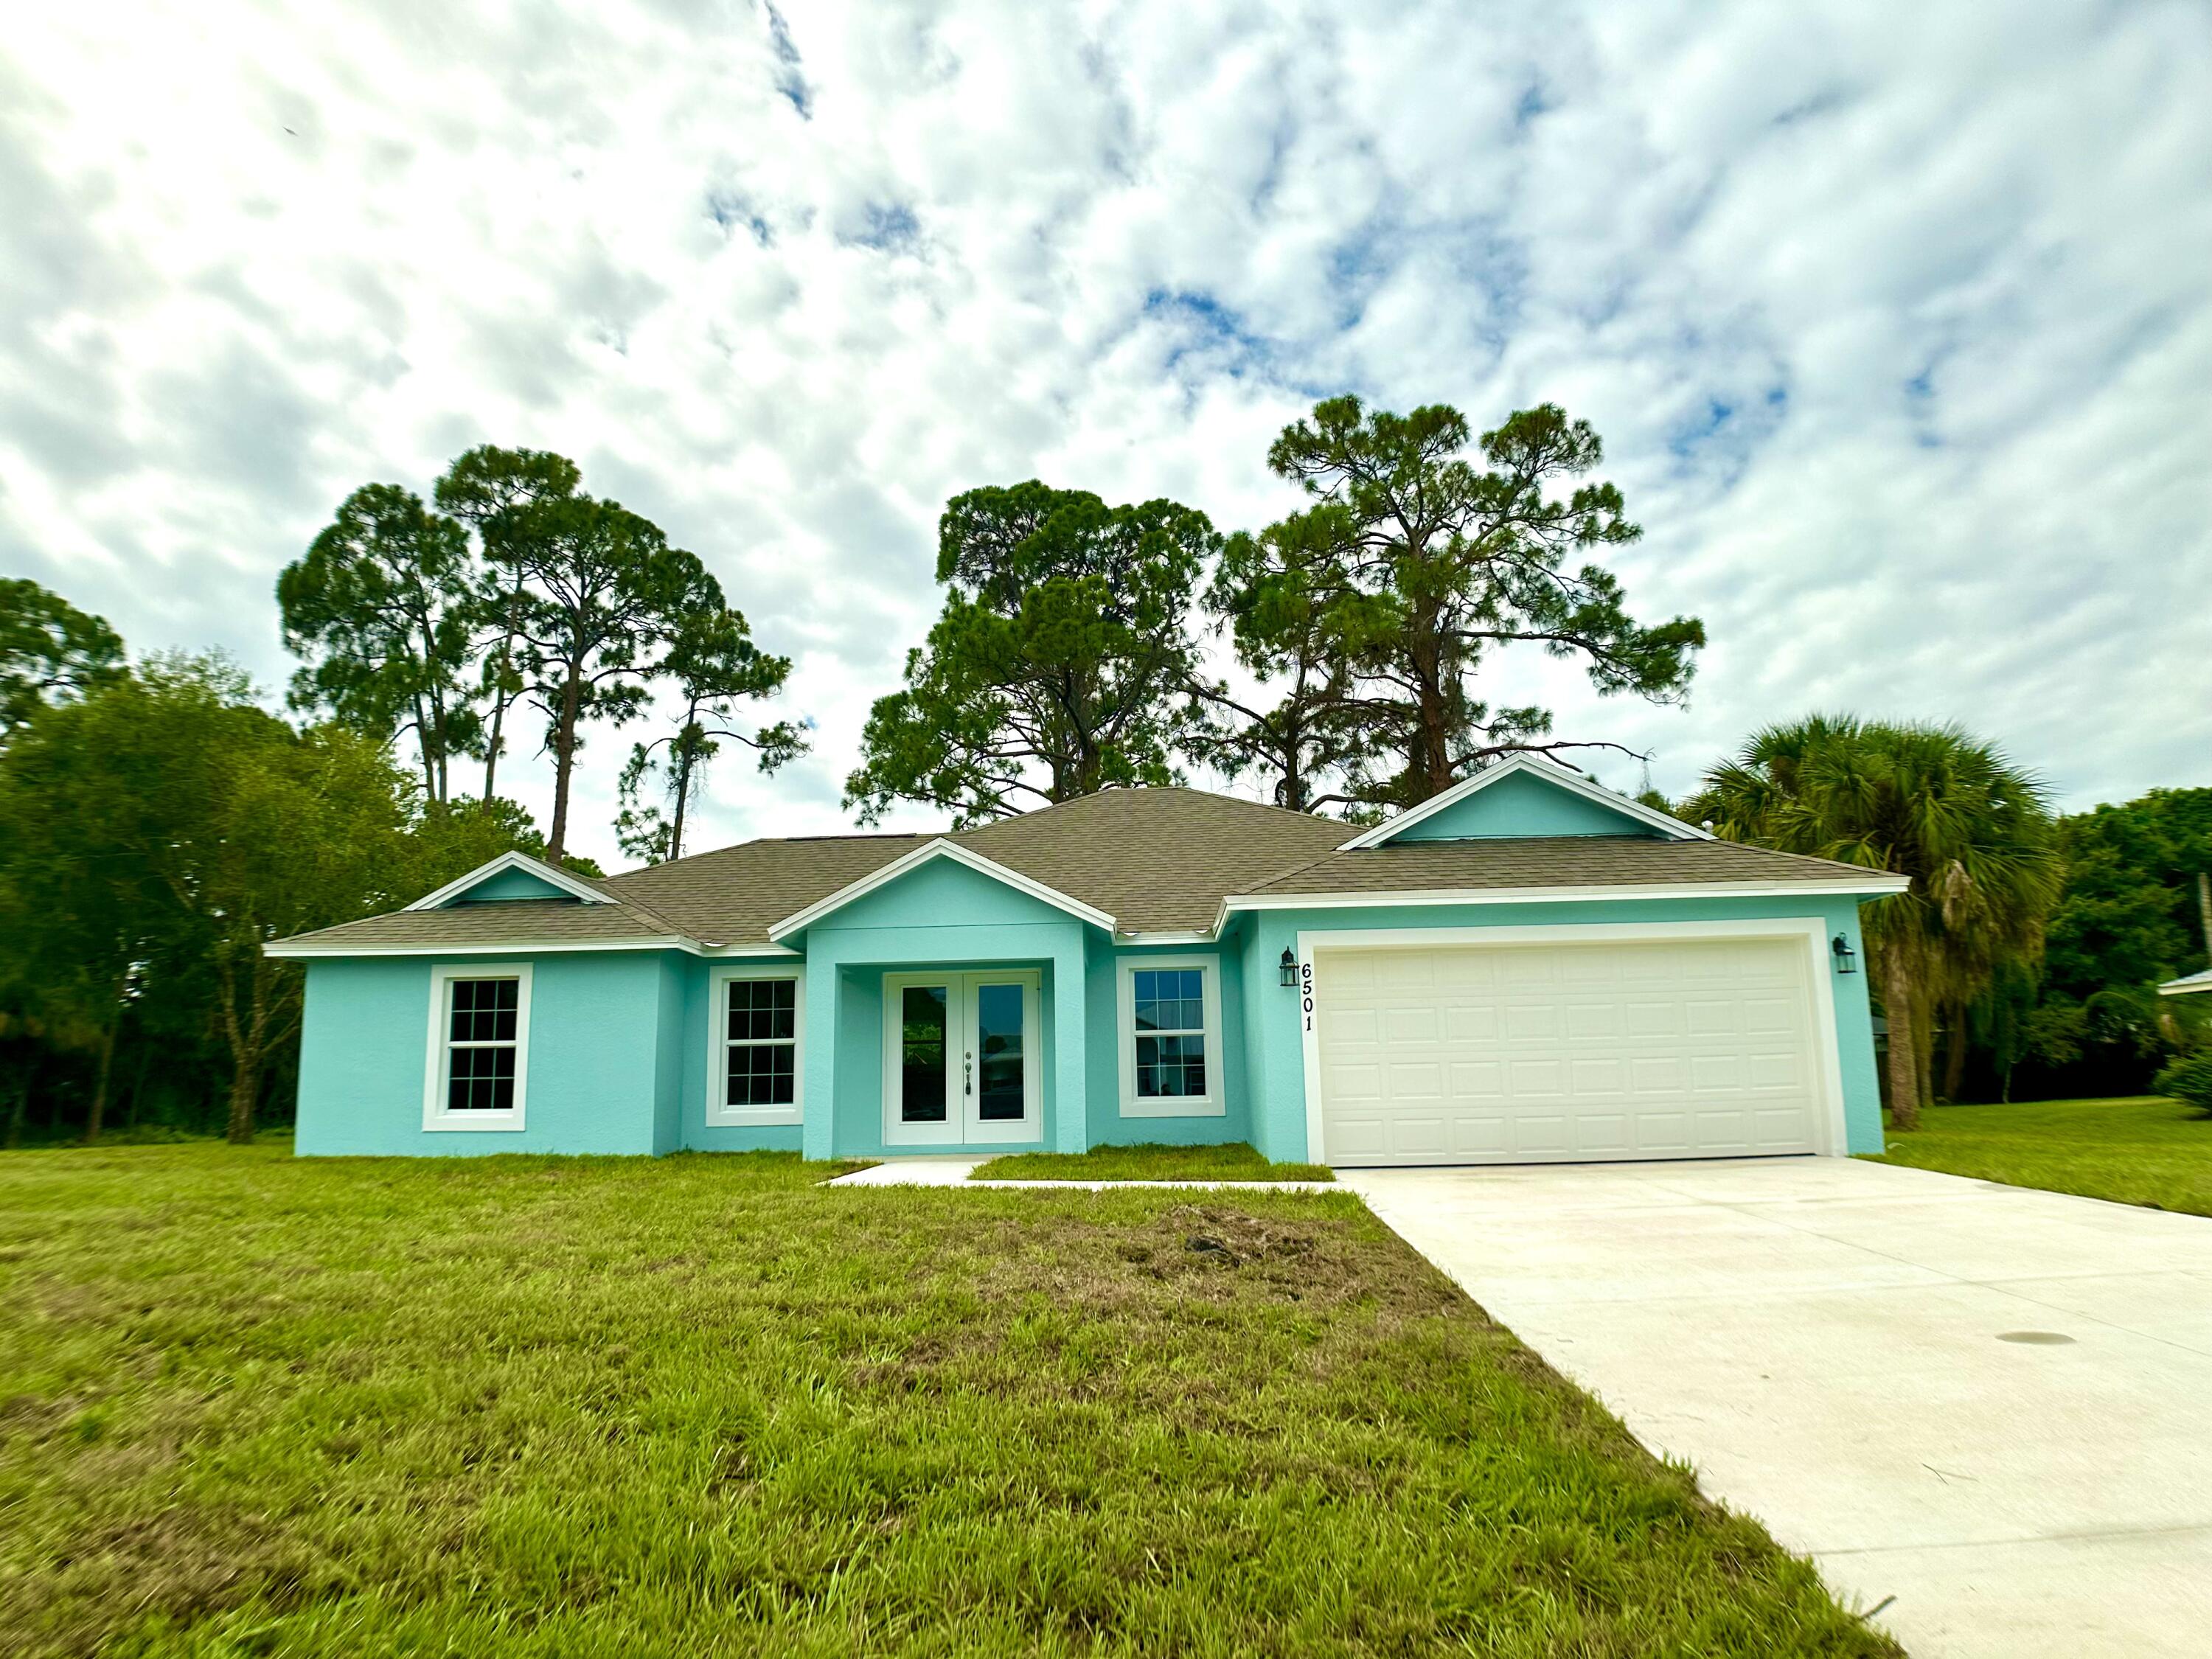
178	1566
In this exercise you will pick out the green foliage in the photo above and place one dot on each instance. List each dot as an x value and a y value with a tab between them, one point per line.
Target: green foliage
497	492
2128	919
715	665
2189	1080
1058	665
385	610
1412	566
48	648
154	835
590	601
1274	592
538	1407
1972	831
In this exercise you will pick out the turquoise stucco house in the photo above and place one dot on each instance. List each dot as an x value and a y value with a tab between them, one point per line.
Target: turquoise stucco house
1527	968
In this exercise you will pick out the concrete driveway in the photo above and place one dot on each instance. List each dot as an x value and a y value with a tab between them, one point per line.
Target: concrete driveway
1991	1403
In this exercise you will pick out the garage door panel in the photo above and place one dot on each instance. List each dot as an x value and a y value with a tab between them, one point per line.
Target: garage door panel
1552	1053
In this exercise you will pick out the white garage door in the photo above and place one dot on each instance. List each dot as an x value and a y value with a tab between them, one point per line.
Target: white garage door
1559	1053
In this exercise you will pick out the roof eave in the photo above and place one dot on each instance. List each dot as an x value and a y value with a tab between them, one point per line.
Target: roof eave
1870	887
301	948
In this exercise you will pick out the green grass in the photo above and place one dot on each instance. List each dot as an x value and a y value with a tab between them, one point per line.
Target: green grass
534	1406
2147	1150
1149	1162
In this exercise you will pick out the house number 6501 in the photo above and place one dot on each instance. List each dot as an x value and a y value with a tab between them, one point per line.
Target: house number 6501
1305	991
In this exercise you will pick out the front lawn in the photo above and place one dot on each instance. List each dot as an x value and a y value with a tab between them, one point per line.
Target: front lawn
2148	1150
620	1407
1148	1162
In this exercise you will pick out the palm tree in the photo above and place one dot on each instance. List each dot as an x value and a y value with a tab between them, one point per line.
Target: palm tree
1972	831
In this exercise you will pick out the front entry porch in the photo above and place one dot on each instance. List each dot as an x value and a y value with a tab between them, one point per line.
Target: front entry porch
977	1056
964	1058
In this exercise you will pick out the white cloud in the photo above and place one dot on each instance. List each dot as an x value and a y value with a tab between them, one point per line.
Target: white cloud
1894	317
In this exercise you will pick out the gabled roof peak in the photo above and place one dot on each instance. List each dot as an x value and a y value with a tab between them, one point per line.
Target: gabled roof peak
1526	763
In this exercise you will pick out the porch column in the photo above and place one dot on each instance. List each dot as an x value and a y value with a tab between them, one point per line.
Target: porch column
1070	1090
818	1125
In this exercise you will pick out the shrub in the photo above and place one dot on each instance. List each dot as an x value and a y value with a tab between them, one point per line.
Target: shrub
2189	1080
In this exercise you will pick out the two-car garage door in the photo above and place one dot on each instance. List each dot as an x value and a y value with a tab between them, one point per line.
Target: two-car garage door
1534	1053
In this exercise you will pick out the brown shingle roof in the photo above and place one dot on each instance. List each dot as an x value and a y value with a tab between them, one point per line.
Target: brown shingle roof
1158	860
733	896
1549	862
554	921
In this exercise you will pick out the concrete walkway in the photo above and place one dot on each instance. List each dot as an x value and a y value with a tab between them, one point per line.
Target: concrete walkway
1991	1403
954	1171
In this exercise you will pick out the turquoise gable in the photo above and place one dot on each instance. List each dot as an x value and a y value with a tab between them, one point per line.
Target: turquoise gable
1521	805
510	884
941	893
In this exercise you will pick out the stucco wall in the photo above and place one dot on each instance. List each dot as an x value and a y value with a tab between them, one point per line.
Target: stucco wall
596	1057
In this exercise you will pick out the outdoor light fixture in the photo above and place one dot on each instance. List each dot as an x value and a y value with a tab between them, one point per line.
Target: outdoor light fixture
1847	961
1290	971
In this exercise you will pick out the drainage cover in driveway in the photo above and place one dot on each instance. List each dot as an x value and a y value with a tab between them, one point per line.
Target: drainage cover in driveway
2041	1339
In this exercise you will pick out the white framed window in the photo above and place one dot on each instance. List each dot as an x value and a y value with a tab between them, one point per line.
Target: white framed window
1169	1018
477	1075
756	1028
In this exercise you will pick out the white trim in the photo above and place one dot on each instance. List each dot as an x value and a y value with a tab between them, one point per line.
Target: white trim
940	848
963	1126
1831	1128
2187	983
434	1115
1550	772
719	1115
561	878
1172	936
1214	1102
501	947
1872	885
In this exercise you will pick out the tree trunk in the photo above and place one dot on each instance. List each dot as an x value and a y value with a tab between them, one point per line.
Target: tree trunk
99	1088
2204	909
684	760
1431	772
22	1110
245	1091
564	761
1897	1003
1954	1056
499	698
1923	1049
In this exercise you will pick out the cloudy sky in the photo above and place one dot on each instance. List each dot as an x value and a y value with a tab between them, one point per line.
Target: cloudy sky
1896	319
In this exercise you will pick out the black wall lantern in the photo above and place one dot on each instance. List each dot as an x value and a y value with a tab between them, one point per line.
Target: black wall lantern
1289	966
1847	961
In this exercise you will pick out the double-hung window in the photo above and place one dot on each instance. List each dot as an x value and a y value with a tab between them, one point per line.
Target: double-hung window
477	1075
1171	1020
759	1015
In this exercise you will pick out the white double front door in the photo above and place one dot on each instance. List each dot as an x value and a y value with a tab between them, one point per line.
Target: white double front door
962	1054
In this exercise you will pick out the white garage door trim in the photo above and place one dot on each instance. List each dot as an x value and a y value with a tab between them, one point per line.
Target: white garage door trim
1813	931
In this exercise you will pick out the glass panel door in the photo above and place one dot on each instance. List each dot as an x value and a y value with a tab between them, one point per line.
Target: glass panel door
961	1058
1001	1095
925	1023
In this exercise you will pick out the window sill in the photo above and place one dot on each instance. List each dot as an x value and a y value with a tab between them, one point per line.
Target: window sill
509	1122
755	1117
1180	1106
